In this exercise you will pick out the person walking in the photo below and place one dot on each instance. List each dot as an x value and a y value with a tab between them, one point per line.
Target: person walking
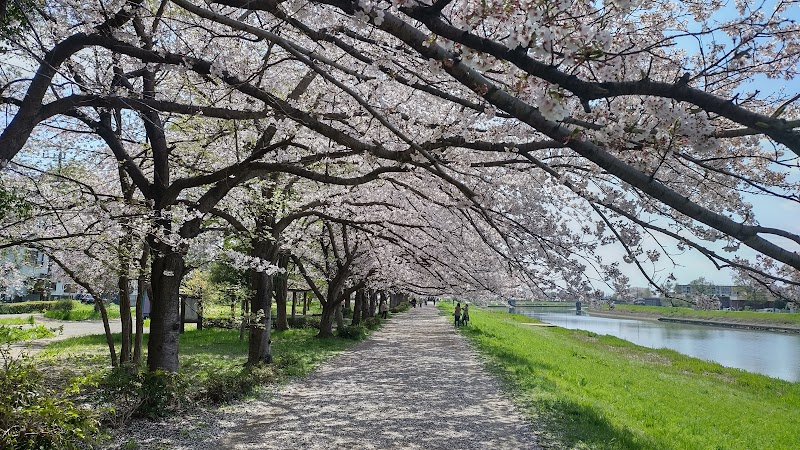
458	314
384	309
465	315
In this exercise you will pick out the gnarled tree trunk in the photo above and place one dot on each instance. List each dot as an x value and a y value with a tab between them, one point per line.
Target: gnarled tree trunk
165	274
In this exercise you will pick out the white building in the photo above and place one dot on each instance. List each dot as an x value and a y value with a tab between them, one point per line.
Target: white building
26	274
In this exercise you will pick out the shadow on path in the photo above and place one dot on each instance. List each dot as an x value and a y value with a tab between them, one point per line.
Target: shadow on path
415	384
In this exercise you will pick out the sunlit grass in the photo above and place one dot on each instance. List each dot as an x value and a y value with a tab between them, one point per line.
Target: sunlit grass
791	319
224	310
600	392
81	311
17	333
204	355
17	320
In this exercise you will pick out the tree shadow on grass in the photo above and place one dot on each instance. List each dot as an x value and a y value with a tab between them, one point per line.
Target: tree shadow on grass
580	426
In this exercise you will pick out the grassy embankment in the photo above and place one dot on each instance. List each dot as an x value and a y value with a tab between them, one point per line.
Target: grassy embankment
737	317
599	392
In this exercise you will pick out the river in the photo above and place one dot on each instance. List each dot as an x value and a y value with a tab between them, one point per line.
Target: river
770	353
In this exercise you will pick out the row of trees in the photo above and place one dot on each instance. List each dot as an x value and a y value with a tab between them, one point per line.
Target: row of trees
429	146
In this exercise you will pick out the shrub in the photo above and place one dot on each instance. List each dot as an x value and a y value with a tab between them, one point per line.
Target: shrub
228	386
355	332
373	323
31	417
313	322
228	323
10	333
298	322
63	305
150	395
25	307
290	364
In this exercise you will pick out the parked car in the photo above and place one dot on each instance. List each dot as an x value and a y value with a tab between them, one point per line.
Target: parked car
85	298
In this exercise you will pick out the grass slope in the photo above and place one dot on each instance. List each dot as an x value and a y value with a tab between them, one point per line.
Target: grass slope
744	317
600	392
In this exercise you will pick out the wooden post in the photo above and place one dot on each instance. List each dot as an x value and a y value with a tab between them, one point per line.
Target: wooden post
305	302
294	304
183	314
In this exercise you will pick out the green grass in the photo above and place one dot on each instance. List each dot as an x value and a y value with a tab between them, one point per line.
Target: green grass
600	392
25	307
80	311
224	310
17	320
11	333
205	356
789	319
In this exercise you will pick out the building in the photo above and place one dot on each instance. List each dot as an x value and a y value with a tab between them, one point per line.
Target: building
32	268
708	289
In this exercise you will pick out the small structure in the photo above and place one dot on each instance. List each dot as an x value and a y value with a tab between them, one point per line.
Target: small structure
191	312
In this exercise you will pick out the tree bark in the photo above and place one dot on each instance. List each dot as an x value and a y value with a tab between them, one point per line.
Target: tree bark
373	299
294	305
281	293
339	317
125	353
142	288
357	307
326	321
165	274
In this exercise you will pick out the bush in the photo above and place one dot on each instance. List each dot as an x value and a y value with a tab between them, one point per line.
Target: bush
149	395
290	364
227	323
31	417
373	323
355	332
25	307
63	305
298	322
11	333
228	386
313	322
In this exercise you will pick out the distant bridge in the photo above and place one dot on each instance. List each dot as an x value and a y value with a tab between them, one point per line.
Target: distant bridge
514	303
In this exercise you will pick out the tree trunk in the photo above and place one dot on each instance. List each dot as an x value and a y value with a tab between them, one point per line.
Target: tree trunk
125	354
305	302
326	321
142	288
165	274
294	305
373	300
137	342
259	349
357	307
281	281
339	317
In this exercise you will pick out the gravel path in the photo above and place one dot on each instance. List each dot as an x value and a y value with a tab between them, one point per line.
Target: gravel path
415	384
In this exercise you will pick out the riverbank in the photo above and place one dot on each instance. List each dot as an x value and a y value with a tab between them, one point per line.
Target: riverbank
784	322
600	392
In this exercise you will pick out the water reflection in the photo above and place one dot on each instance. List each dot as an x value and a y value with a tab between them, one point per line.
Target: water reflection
768	353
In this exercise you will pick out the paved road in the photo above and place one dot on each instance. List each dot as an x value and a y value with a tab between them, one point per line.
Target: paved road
415	384
70	329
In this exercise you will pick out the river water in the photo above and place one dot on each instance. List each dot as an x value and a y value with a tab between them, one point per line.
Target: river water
770	353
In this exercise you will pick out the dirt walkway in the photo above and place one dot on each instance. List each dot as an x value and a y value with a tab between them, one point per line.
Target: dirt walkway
415	384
